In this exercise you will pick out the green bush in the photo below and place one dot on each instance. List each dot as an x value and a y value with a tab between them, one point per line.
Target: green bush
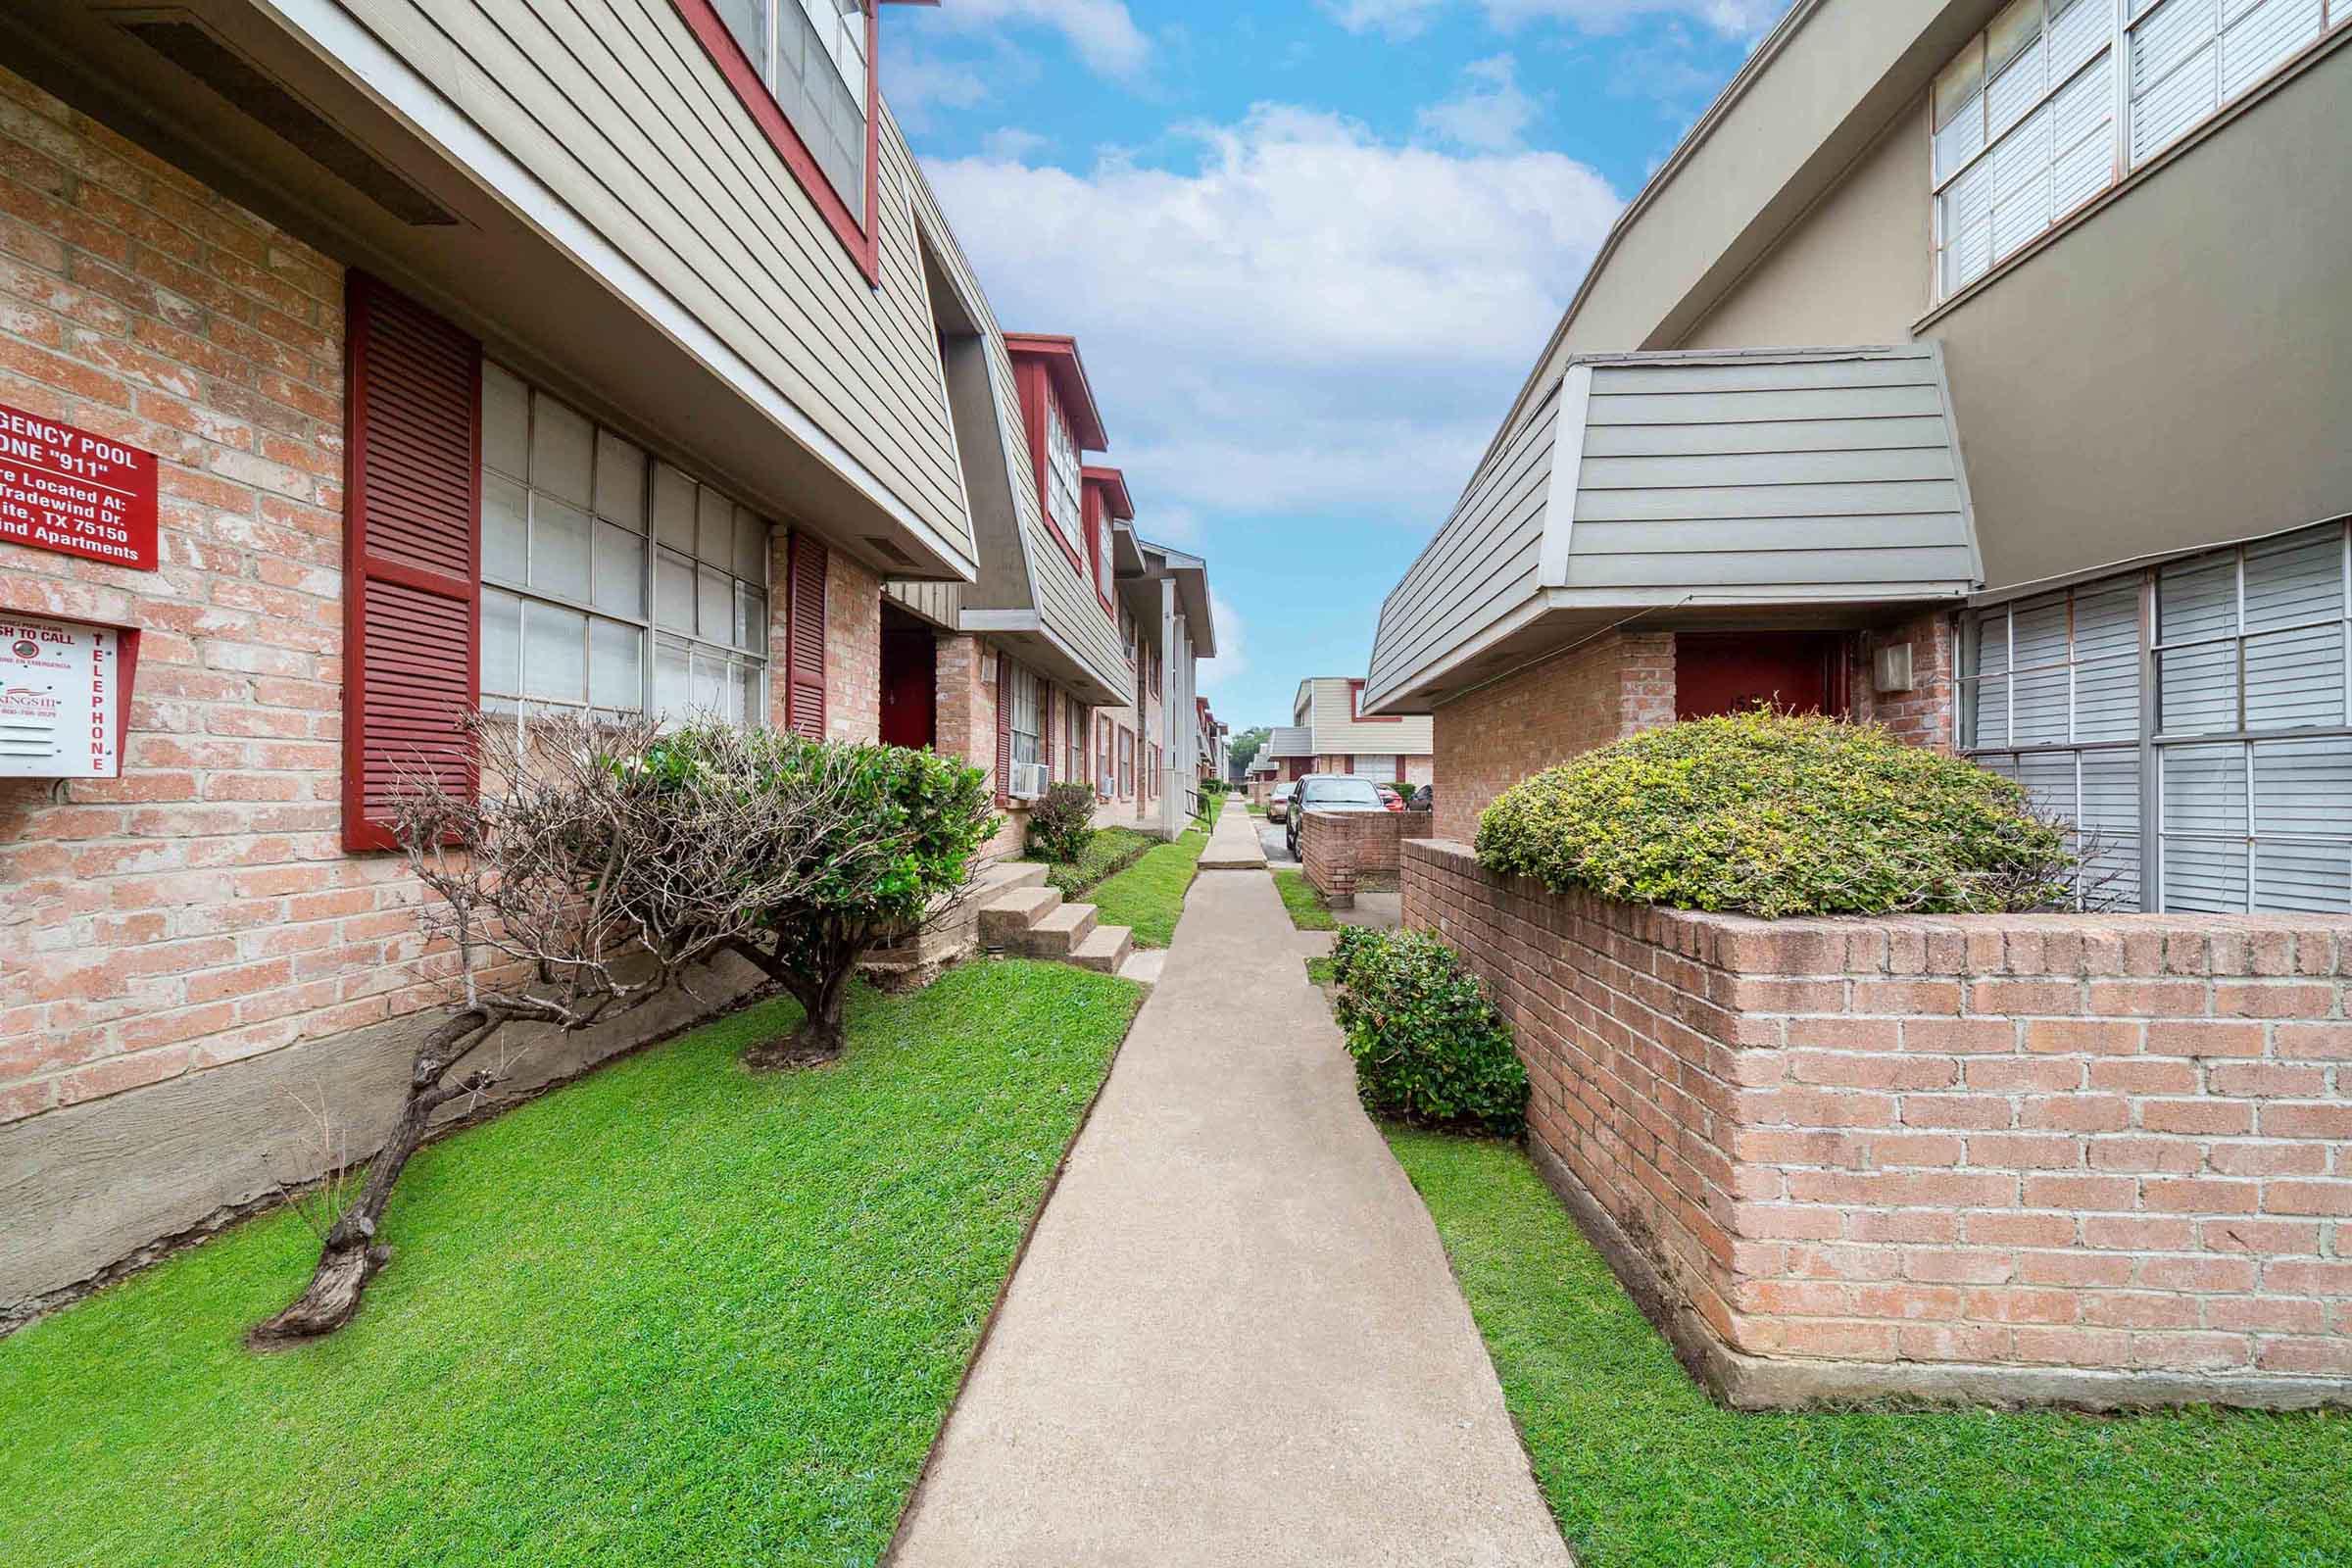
1429	1046
1777	814
1061	822
890	830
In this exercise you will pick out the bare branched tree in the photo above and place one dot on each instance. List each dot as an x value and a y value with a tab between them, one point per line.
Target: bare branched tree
596	866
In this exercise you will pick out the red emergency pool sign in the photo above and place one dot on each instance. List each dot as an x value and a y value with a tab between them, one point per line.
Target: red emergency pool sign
65	689
76	492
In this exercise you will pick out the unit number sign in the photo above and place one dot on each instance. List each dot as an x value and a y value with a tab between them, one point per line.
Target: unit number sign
61	696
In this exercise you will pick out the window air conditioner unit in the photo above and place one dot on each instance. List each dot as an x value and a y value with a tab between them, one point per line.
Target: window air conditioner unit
1028	781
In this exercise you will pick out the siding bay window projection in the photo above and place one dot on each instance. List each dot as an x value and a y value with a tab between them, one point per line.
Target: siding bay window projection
805	72
2032	119
2195	718
612	581
1061	478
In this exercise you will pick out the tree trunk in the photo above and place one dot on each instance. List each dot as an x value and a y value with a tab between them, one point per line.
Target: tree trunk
349	1256
821	1037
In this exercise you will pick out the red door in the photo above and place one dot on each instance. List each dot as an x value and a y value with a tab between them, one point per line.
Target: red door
910	686
1730	672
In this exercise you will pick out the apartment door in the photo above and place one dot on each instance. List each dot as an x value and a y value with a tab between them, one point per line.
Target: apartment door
909	681
1729	672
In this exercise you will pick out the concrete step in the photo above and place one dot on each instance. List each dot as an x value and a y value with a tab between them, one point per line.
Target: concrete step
1005	918
1056	933
1003	876
1144	964
1104	949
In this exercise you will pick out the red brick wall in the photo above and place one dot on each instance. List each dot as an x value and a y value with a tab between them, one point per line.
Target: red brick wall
1926	714
1340	852
201	909
2040	1141
1498	735
852	650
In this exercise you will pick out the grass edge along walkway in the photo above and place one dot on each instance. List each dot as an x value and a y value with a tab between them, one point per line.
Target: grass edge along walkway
669	1314
1309	912
1147	896
1642	1470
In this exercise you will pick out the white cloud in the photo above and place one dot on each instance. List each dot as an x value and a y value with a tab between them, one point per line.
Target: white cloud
1012	144
1399	18
1403	19
1233	655
1311	317
915	84
1491	113
1102	31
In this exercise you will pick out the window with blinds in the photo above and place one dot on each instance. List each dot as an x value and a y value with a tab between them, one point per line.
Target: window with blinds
612	582
2195	720
1027	710
2031	120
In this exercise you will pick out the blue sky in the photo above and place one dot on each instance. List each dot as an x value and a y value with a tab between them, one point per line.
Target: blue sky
1309	248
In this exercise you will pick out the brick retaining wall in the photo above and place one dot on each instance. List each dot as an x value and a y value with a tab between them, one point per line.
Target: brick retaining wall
2100	1159
1344	851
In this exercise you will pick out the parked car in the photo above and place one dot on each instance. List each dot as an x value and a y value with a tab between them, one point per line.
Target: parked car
1278	803
1329	791
1422	798
1389	798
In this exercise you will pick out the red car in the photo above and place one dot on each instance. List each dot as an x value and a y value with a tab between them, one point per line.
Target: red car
1390	799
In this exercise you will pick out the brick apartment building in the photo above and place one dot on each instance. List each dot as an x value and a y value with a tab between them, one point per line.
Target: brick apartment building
361	374
1973	366
1934	379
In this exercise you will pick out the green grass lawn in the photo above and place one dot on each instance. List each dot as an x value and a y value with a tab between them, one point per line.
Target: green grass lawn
1109	850
1150	894
1309	912
1641	1468
673	1313
1320	972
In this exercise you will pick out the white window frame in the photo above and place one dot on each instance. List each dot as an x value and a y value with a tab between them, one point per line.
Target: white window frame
1064	504
1027	719
2128	21
739	662
837	29
2158	737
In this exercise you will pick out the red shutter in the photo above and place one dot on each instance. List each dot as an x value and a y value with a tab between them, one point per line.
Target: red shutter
411	553
804	637
1004	730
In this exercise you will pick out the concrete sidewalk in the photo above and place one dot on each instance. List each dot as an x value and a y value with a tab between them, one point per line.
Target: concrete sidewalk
1235	1338
1233	842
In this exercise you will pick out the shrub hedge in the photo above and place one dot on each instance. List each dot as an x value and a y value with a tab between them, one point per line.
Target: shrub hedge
1778	814
1429	1047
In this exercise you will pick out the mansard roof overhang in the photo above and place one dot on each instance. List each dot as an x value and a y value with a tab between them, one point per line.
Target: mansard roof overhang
1058	354
380	167
1035	642
1191	575
1782	487
1117	503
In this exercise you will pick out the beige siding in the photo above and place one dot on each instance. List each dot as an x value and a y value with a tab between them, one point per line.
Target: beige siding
616	108
936	602
1060	593
1335	734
